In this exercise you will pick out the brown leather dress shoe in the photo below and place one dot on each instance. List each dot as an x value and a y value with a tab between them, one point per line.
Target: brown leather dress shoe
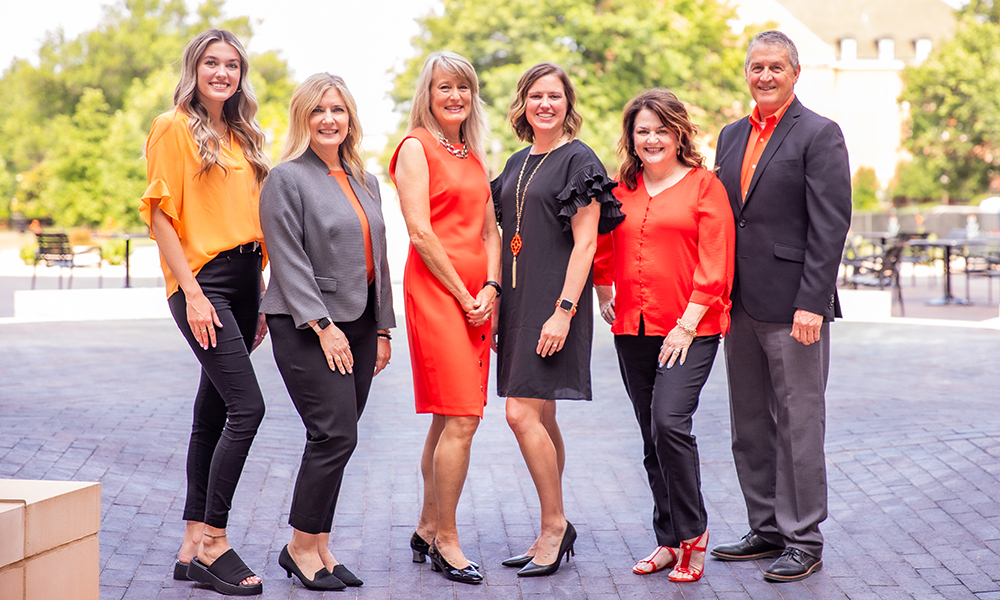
793	565
750	547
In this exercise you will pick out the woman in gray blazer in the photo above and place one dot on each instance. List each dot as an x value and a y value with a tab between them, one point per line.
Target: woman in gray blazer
328	305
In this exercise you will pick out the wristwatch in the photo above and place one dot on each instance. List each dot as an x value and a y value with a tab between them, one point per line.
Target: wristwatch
324	323
566	305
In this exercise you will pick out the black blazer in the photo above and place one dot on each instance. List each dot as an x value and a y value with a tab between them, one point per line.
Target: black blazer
790	232
316	246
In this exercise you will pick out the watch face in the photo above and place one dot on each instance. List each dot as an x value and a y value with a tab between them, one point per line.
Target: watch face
324	322
565	305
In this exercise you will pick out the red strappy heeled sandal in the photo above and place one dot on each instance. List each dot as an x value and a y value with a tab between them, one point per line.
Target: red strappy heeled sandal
683	572
640	567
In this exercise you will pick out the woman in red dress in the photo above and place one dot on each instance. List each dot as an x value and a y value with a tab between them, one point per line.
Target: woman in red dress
449	285
671	266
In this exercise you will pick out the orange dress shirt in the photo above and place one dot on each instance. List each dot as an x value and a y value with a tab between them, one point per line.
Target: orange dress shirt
213	212
673	248
760	136
345	184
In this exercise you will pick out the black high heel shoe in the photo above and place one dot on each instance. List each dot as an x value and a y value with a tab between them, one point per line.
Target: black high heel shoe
517	561
467	575
322	580
565	547
421	548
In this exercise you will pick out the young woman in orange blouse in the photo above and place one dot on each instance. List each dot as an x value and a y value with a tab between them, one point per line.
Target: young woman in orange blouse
205	168
663	280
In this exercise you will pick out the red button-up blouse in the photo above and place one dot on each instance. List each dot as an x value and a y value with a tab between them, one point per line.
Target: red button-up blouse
674	248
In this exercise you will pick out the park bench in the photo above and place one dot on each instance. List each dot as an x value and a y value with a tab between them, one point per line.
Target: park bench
55	250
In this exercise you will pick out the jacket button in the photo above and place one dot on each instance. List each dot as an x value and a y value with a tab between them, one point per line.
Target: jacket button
743	223
484	337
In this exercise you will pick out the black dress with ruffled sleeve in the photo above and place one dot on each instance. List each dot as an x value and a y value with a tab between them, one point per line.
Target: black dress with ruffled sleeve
570	177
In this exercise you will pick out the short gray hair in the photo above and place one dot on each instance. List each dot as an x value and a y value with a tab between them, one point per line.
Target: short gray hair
774	37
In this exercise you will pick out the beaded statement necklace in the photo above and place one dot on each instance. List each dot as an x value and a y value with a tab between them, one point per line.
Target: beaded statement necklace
516	243
463	153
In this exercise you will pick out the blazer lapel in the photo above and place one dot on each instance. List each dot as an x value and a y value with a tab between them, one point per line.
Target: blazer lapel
731	174
780	132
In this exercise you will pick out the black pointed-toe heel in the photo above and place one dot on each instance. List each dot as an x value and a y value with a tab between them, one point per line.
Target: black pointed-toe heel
517	561
469	574
322	580
344	574
565	547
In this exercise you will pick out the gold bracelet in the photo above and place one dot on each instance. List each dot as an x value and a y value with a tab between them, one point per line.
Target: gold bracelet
692	331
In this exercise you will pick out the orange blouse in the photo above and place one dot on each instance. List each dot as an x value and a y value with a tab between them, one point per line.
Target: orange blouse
366	231
211	213
673	248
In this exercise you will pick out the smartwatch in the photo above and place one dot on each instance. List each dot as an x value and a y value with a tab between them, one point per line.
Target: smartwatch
324	323
567	305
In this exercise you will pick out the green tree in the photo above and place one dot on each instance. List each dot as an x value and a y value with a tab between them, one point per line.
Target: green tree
72	126
864	189
954	127
612	49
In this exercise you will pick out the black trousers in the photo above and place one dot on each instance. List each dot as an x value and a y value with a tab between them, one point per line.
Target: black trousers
665	401
229	406
330	405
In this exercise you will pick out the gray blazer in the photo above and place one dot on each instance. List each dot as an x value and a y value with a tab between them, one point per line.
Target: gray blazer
315	245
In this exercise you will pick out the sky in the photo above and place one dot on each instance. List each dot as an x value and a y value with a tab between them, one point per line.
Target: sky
358	40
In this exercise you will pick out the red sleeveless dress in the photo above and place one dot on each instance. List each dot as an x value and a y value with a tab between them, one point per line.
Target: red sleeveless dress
450	359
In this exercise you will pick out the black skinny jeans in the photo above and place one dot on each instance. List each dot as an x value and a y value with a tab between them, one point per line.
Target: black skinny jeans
665	401
229	405
330	405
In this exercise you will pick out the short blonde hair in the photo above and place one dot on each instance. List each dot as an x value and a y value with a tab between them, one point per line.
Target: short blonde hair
476	127
519	121
305	98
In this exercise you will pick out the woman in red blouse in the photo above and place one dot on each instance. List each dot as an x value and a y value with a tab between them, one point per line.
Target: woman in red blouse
663	280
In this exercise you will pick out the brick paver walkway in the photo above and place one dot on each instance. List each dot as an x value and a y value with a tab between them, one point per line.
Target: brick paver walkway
913	457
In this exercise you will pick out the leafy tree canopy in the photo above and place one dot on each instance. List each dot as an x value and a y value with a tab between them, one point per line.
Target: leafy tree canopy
612	49
954	127
72	127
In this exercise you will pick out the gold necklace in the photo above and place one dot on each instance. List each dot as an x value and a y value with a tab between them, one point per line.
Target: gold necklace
516	243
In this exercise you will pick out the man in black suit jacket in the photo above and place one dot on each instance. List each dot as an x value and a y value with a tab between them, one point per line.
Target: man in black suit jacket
789	184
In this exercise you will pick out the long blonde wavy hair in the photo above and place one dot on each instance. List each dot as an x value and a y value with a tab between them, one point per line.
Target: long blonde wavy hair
239	111
305	98
476	127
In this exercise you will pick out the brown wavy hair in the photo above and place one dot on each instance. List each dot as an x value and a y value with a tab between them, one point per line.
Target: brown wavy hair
516	116
671	112
239	111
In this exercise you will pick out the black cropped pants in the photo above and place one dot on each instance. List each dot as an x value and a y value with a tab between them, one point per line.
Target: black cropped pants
229	406
330	405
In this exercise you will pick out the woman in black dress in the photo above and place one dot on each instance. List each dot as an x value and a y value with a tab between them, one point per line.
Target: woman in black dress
550	222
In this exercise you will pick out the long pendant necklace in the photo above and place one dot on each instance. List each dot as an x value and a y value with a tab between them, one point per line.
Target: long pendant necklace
515	242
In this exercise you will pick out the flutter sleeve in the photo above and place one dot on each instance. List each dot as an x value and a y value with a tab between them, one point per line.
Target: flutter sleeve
590	181
164	150
496	186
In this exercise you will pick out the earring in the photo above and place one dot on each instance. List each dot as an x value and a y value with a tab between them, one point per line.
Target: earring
239	89
348	130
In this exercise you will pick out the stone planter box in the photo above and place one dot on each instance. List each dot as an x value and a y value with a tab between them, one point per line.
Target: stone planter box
48	539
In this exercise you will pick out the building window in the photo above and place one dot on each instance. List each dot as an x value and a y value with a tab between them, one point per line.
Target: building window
848	49
886	49
922	49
